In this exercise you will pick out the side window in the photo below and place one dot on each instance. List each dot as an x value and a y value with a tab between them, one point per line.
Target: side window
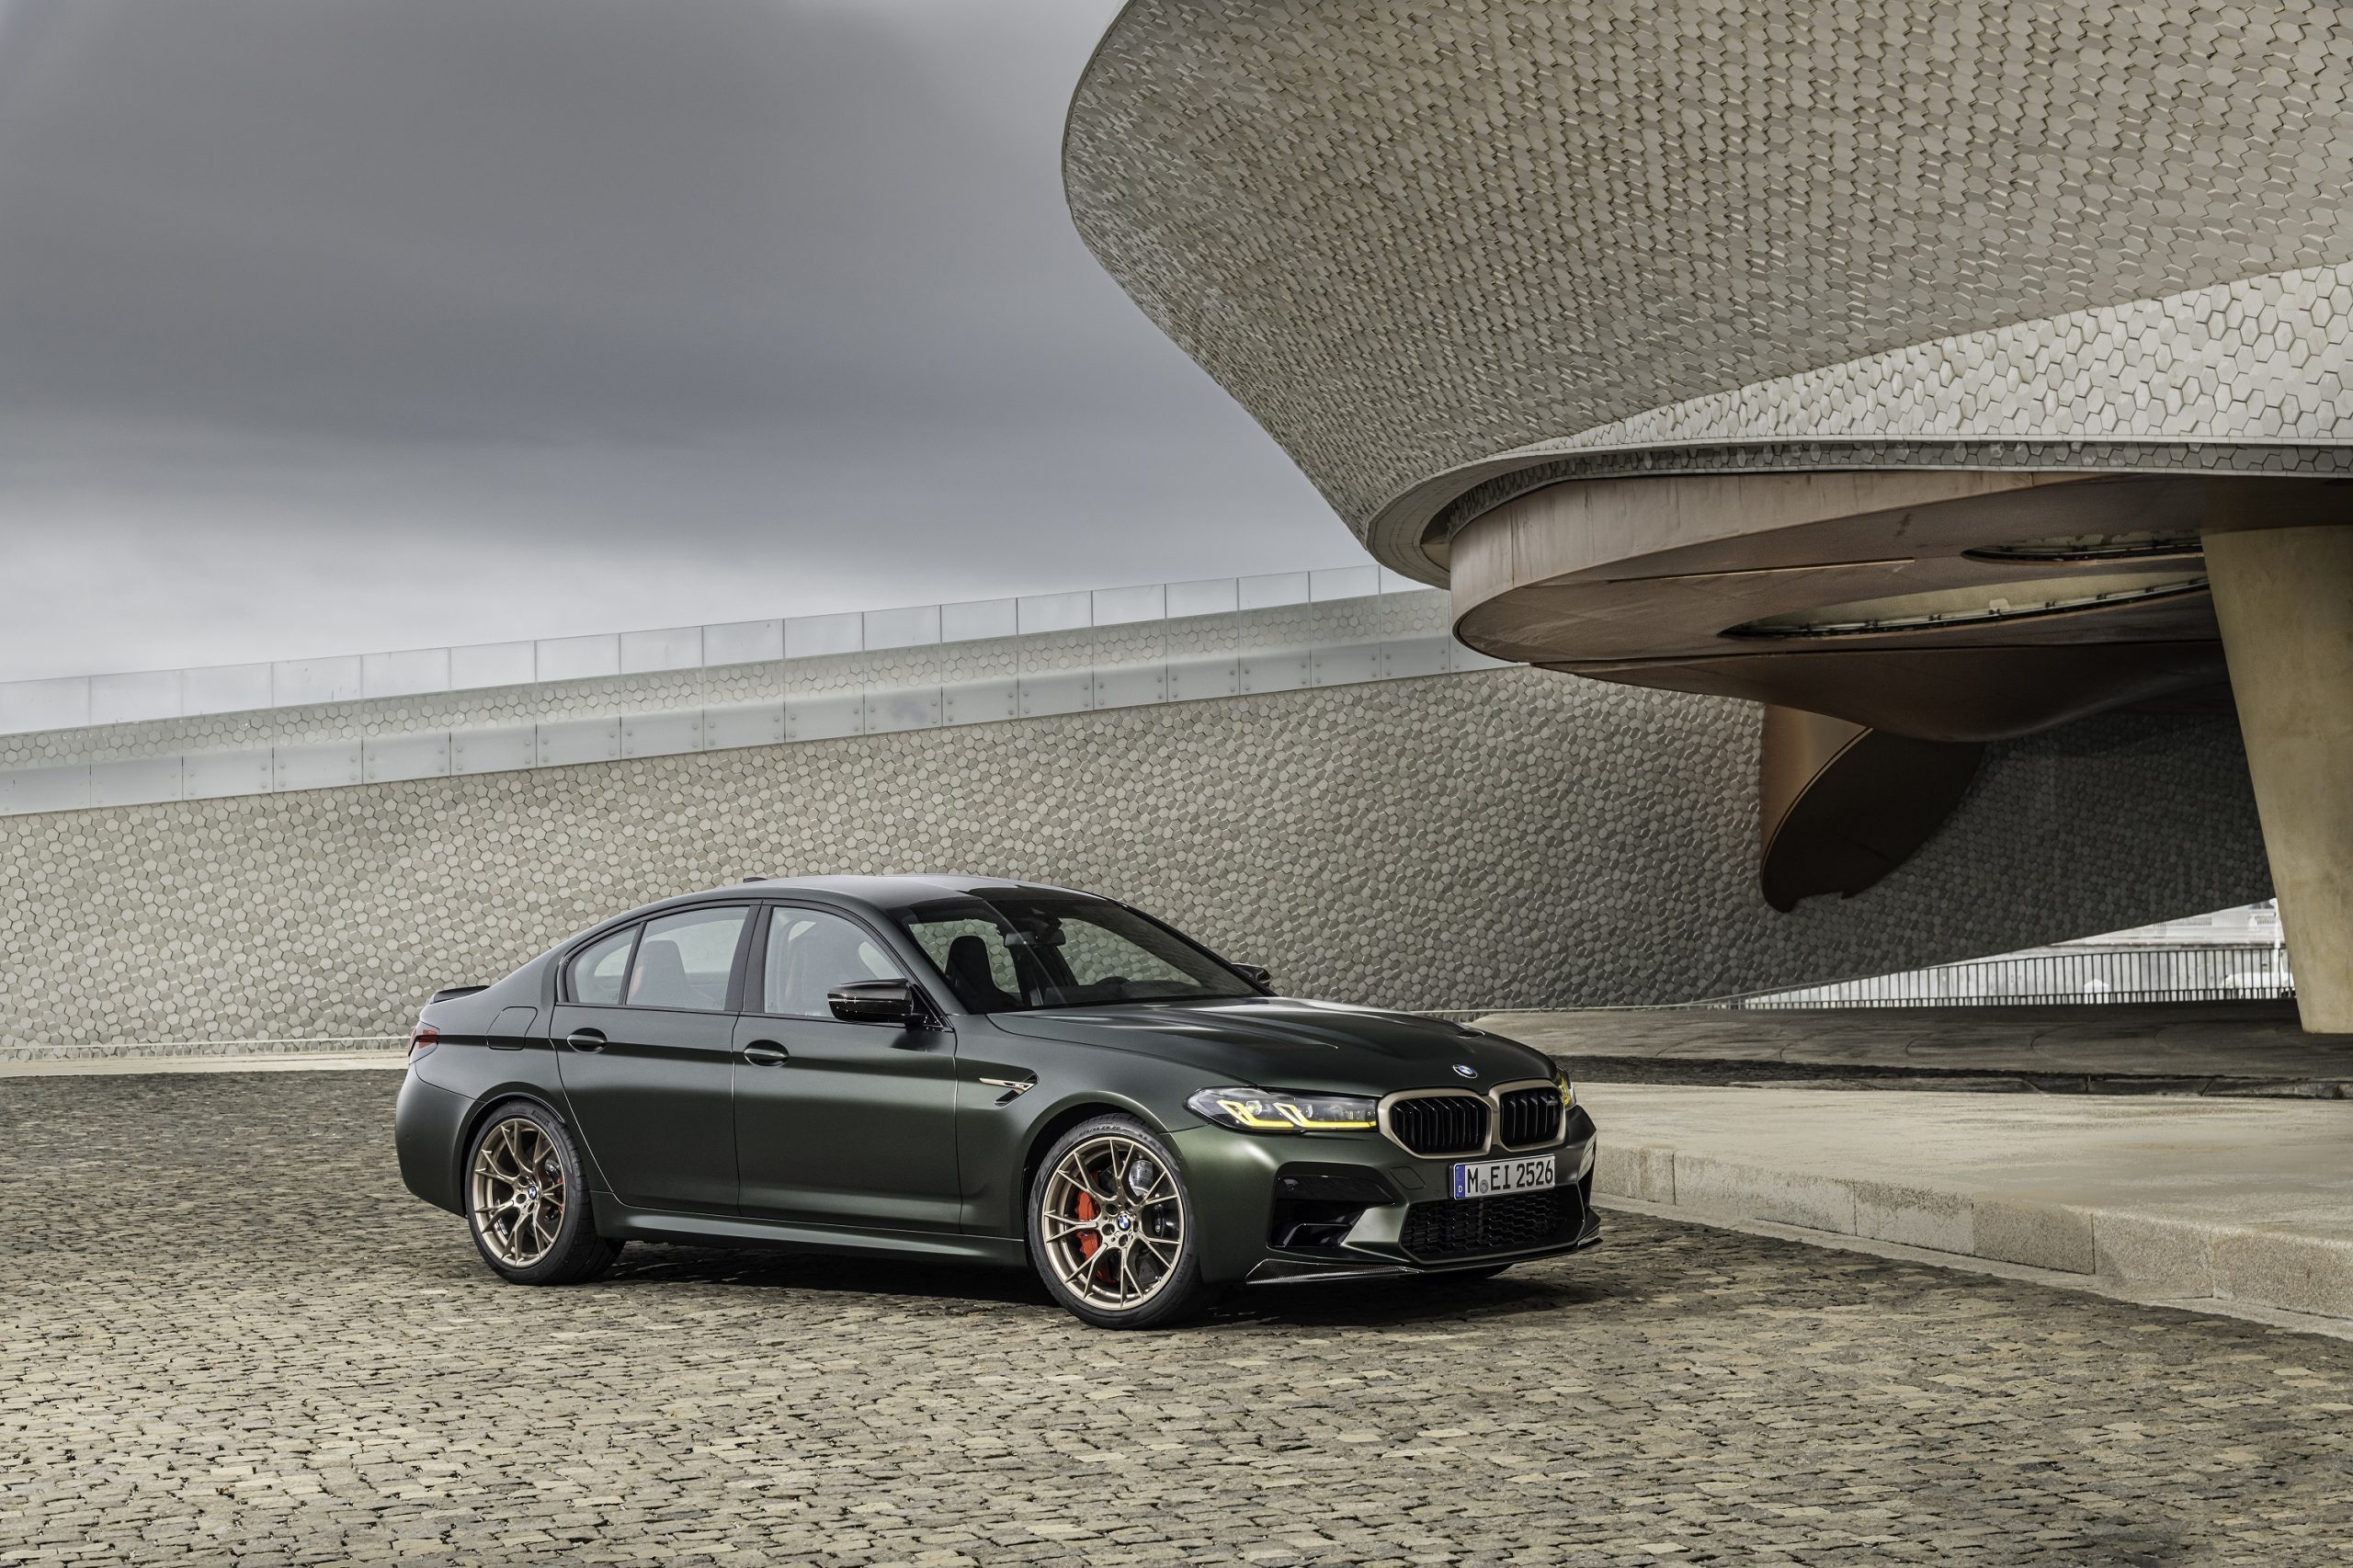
596	970
684	960
810	952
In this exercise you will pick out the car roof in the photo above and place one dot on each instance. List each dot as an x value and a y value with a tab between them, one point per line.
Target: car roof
886	892
881	893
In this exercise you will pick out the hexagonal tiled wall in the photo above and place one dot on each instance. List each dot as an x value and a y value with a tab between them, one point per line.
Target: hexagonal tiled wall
1464	840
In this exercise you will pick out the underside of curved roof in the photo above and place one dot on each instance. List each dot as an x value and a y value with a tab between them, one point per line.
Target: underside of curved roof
1444	254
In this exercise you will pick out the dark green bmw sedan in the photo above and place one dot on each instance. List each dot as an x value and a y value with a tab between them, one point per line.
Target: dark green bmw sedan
994	1071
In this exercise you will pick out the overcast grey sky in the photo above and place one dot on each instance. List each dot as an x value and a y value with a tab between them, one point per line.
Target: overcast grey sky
334	325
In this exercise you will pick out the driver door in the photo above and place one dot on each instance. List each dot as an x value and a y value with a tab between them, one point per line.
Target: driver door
838	1123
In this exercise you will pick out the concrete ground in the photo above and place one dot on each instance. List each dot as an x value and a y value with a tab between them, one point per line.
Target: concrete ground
227	1335
2124	1046
2235	1205
2248	1201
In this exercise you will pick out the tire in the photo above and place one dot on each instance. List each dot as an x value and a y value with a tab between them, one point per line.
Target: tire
1149	1260
527	1199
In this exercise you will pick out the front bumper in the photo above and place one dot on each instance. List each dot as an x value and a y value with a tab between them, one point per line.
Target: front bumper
1318	1206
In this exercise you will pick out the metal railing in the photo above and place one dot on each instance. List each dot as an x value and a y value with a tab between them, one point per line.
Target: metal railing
2086	975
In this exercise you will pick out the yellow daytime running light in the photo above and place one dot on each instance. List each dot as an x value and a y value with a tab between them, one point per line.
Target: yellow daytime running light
1288	1113
1252	1114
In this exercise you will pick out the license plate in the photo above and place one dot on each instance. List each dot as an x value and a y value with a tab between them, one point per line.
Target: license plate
1491	1176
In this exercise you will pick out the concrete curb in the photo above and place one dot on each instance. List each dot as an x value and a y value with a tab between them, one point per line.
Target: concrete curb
2177	1258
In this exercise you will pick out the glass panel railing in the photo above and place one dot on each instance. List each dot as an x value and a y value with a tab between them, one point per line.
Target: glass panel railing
975	620
416	672
1121	656
1344	583
479	665
743	642
226	688
1175	639
1274	590
814	636
134	699
1042	613
578	658
1124	607
673	648
44	704
1212	596
306	683
915	628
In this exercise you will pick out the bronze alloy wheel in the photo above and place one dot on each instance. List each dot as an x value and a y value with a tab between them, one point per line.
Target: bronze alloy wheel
1112	1218
518	1192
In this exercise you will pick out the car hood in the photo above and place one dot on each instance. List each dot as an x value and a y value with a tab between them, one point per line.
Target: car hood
1272	1042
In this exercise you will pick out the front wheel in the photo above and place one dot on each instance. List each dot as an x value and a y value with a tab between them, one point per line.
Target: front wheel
527	1203
1111	1228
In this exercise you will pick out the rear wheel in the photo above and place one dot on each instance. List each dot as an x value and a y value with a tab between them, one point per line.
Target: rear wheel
527	1203
1111	1228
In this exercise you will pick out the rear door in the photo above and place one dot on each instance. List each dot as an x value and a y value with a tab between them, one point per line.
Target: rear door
837	1123
644	1031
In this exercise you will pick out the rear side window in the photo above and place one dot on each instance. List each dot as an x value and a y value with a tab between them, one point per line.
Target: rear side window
684	960
598	968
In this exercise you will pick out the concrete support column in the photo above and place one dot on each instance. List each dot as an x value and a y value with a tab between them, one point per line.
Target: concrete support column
2285	600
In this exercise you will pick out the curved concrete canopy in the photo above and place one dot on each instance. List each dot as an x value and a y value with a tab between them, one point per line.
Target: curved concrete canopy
1940	605
1448	254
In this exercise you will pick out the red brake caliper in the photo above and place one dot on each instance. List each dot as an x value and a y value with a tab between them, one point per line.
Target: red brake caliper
1088	1241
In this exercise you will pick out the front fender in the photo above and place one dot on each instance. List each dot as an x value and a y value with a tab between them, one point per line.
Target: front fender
999	1138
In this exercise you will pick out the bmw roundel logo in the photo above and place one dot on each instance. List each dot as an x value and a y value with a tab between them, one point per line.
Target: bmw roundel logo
1464	1070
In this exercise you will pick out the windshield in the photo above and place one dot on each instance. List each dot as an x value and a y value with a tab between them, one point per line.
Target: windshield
1013	952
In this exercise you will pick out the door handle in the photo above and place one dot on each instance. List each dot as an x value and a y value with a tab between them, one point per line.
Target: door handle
585	1039
765	1053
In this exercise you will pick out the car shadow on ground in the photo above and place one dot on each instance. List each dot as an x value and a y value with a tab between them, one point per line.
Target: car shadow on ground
1546	1286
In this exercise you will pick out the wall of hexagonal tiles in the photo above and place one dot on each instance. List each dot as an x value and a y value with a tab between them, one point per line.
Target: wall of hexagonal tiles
1503	837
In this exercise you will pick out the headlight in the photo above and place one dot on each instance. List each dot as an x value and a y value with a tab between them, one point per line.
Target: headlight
1568	1091
1281	1110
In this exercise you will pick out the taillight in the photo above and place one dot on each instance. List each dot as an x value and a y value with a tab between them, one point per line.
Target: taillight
423	1037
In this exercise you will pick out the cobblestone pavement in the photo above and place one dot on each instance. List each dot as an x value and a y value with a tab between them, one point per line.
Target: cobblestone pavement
226	1333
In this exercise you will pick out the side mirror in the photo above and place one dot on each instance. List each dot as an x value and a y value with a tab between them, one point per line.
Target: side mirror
875	1002
1256	974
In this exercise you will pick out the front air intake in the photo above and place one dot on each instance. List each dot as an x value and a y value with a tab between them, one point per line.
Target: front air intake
1474	1227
